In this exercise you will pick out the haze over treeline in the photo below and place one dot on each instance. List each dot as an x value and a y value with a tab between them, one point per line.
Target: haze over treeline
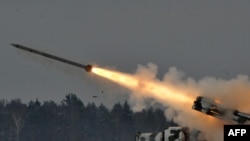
73	120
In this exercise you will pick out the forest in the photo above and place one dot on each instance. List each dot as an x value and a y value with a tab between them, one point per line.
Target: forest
73	120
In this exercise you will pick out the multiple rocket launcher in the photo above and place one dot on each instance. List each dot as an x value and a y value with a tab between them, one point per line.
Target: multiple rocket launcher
212	108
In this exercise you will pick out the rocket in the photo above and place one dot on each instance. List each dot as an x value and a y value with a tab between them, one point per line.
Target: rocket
88	67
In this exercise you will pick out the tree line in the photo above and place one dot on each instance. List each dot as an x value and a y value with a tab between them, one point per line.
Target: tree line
72	120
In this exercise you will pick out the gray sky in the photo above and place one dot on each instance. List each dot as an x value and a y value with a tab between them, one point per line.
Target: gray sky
201	38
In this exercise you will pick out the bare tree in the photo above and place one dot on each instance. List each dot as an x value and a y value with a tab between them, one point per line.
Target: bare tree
17	112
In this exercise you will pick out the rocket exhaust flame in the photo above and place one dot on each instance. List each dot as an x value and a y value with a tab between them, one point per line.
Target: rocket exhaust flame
148	88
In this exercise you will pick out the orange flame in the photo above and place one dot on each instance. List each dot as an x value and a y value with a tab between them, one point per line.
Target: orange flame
146	87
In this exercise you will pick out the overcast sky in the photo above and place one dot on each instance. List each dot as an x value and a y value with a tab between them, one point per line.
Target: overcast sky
201	38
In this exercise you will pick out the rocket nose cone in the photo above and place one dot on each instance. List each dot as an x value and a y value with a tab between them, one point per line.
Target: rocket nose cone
15	45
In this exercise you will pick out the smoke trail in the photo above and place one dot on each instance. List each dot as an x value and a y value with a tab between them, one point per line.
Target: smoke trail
183	90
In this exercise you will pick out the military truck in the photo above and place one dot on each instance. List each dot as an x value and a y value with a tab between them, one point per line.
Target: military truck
175	133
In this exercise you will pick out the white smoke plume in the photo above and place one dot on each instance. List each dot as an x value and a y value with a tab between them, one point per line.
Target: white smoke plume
233	93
